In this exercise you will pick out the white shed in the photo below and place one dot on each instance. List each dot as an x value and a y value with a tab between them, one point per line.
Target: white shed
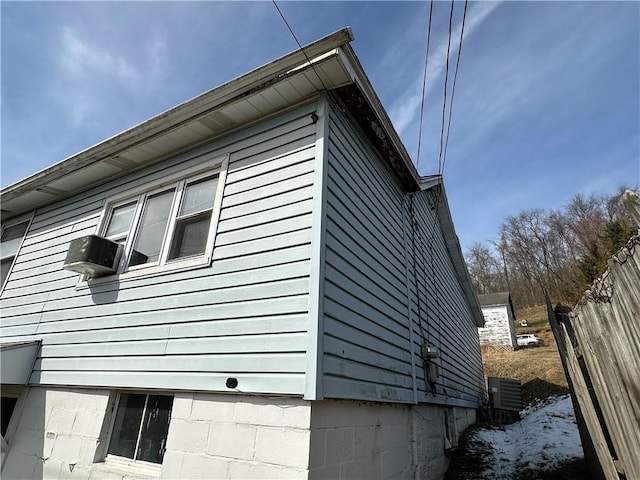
499	317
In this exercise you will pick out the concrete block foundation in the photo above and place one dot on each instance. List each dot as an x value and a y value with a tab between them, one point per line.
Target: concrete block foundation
63	433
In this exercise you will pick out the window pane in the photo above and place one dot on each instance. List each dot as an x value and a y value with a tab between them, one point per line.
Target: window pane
127	424
6	410
11	238
199	196
152	228
120	221
5	265
190	236
153	437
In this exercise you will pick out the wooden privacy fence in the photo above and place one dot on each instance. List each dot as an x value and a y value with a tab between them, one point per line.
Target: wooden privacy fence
599	343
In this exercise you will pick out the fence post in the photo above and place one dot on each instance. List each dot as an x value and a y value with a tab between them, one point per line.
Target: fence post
594	450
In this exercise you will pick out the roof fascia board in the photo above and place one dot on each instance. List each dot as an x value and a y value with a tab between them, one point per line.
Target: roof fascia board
354	67
429	182
455	252
186	111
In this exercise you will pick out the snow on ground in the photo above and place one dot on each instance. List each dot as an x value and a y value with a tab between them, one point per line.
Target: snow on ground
546	436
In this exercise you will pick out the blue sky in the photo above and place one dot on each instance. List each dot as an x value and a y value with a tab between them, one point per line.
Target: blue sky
547	101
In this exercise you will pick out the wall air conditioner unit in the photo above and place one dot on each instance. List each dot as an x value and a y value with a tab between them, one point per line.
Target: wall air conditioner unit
93	256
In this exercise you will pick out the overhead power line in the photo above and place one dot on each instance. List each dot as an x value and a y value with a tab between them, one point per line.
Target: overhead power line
424	87
444	101
299	46
453	88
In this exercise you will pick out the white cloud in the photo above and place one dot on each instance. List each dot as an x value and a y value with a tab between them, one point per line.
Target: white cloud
79	108
158	53
81	58
404	111
95	76
537	79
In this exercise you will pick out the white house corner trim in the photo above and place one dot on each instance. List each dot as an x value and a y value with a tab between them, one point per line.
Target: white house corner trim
313	389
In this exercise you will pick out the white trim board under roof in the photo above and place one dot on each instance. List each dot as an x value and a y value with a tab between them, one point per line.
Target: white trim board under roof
282	83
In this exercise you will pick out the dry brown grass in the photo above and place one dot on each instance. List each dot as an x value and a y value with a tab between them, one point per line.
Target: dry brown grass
536	317
539	369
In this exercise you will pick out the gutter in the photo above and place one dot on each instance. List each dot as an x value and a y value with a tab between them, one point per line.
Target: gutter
455	251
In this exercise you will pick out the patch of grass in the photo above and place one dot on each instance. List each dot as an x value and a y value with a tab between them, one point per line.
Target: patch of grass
536	318
466	462
539	369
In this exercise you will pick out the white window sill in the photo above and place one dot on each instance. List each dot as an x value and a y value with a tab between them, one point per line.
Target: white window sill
176	266
128	467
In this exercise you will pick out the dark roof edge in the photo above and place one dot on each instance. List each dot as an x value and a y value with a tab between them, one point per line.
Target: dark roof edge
496	298
383	127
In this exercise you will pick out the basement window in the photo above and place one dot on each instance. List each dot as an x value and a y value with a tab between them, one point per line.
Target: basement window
6	412
10	412
140	427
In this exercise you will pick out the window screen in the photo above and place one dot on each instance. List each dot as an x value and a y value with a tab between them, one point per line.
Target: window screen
141	426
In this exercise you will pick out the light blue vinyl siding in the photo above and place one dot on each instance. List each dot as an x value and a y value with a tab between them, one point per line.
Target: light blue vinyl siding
247	315
367	338
366	331
244	316
446	319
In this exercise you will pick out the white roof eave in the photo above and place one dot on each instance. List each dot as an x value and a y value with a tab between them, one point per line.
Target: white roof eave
36	185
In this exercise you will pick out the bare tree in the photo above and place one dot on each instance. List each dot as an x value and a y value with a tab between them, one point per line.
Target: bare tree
485	269
558	251
586	218
536	247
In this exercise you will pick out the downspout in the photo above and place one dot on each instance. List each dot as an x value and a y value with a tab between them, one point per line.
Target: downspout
415	469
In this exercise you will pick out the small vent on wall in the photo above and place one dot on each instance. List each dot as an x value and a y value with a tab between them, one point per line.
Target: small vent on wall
93	256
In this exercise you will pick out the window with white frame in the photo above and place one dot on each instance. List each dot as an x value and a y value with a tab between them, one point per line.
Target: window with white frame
10	241
140	427
170	223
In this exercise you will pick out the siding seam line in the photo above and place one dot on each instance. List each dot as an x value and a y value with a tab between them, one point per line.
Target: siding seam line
410	321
